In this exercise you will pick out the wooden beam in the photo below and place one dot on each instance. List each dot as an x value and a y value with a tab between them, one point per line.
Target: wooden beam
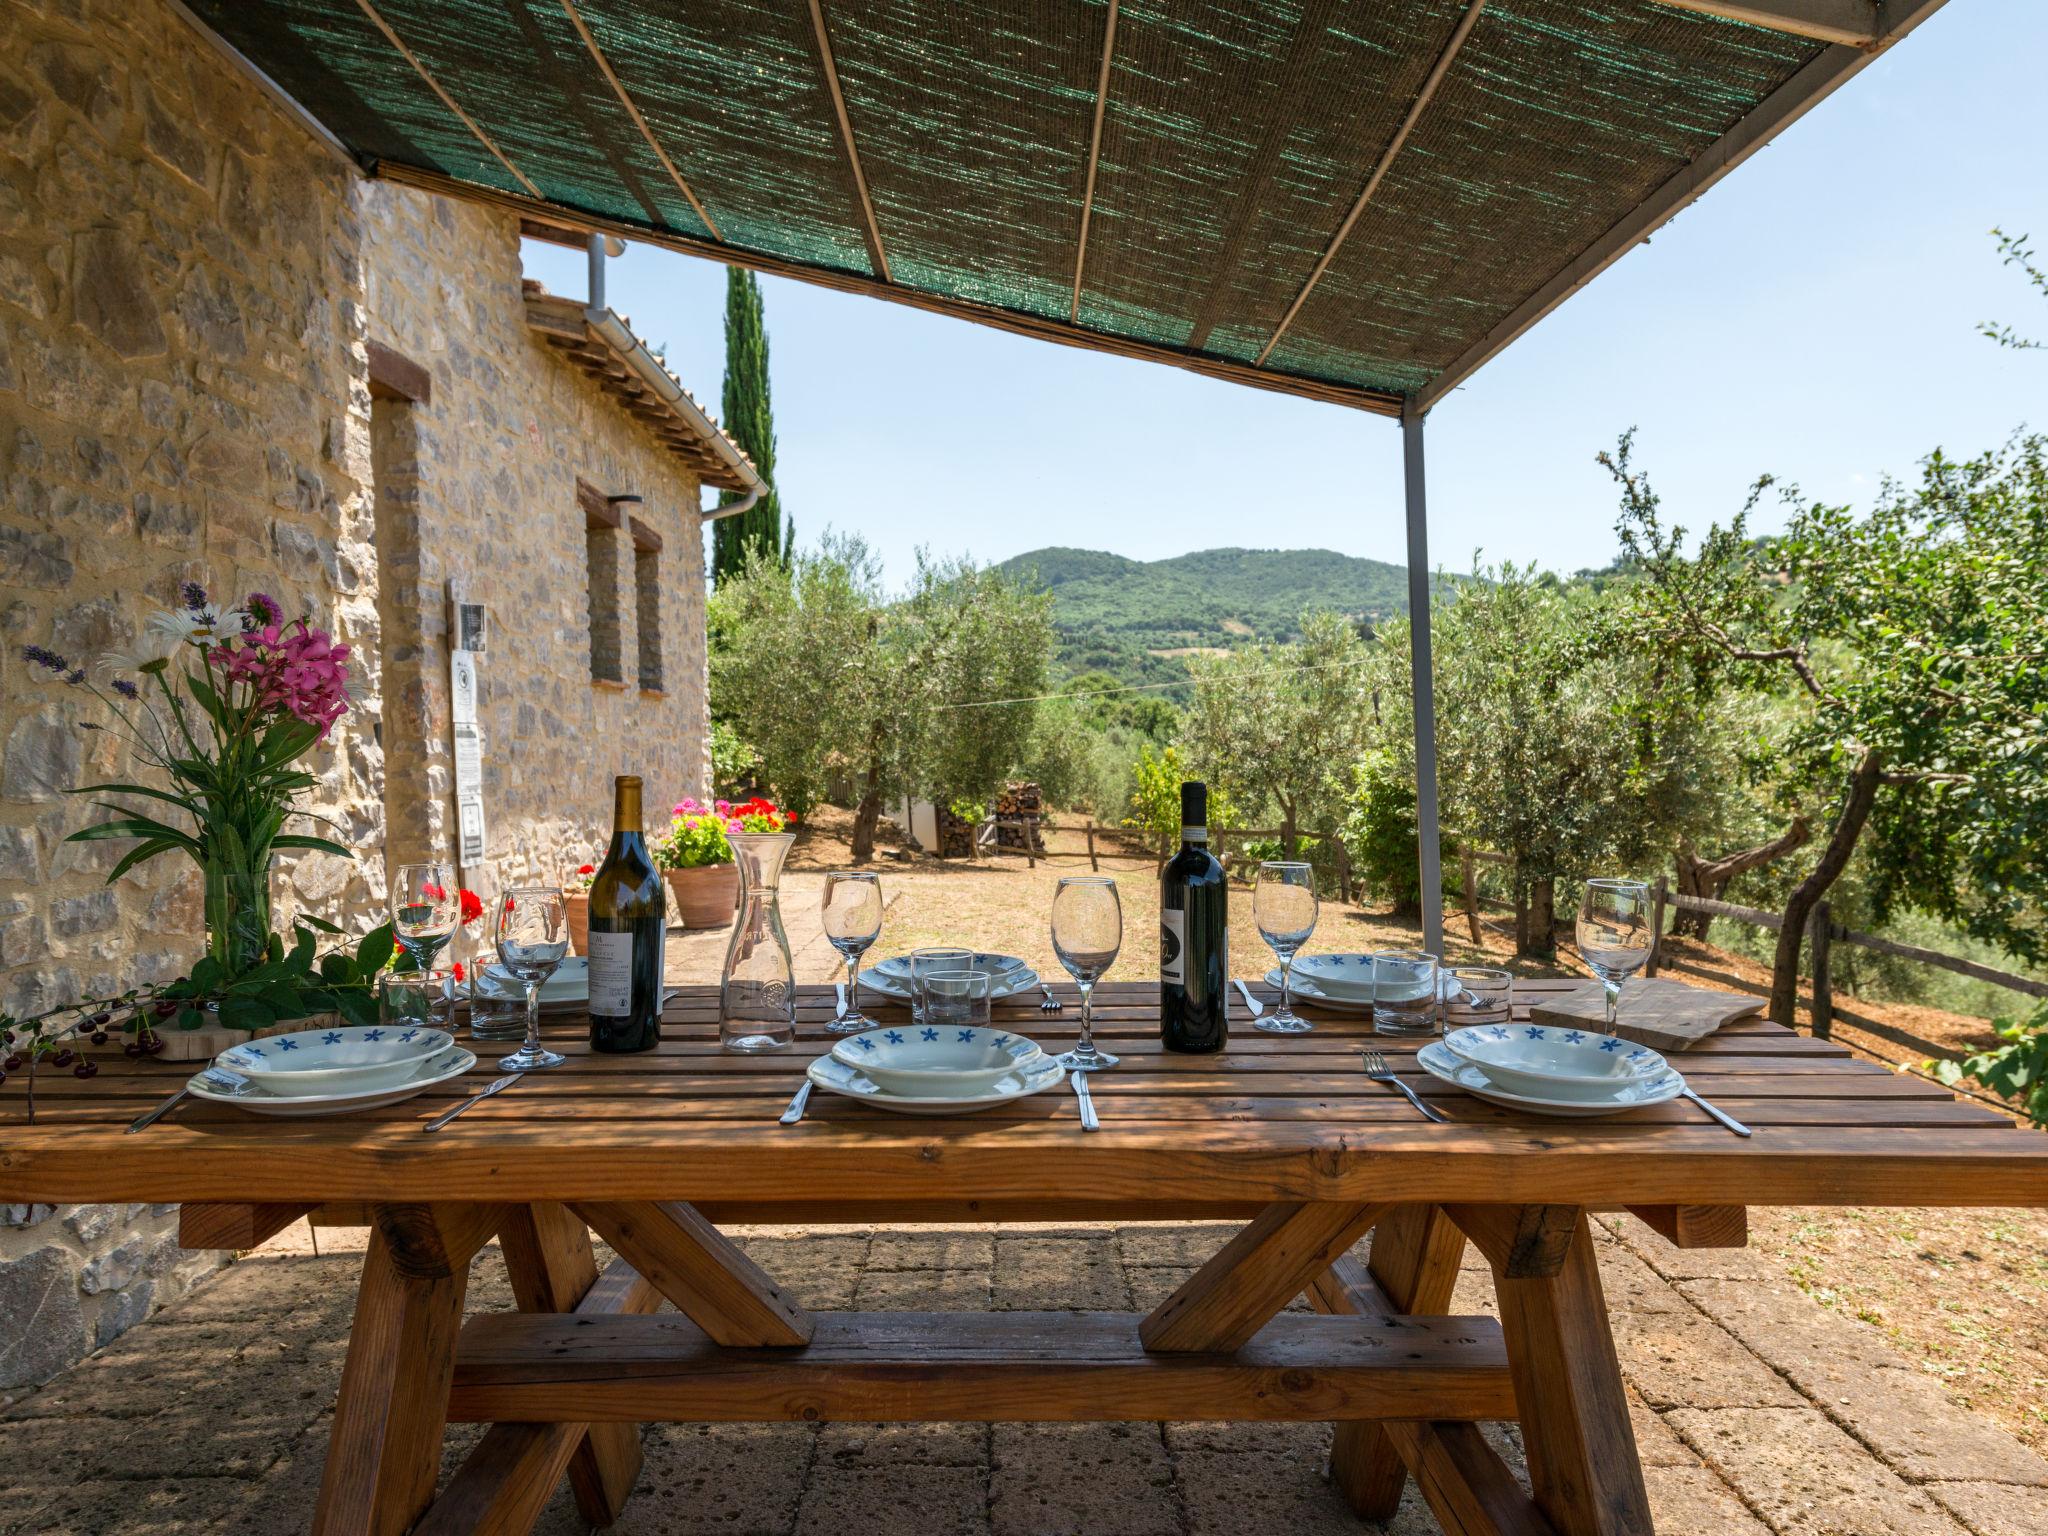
702	1271
1379	402
1094	157
1854	22
1791	101
645	540
505	1483
384	1452
447	101
1697	1226
394	376
213	1224
433	1241
1521	1241
1254	1275
1467	1487
599	512
604	66
871	227
1380	168
1041	1367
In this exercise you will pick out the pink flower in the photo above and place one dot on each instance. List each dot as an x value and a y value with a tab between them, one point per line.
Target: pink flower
293	669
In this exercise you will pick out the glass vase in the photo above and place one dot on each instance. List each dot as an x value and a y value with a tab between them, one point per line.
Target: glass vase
757	989
237	912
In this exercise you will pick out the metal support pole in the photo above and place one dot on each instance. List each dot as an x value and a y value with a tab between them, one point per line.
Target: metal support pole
1424	676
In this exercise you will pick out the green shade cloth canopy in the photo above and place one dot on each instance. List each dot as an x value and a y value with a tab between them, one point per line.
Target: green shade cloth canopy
1357	200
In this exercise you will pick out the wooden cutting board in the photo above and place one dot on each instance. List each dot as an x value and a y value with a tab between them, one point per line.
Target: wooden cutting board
1664	1015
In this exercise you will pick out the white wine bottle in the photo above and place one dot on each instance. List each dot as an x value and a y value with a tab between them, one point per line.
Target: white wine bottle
628	930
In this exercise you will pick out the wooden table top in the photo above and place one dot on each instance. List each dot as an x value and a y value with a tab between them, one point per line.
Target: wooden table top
1269	1118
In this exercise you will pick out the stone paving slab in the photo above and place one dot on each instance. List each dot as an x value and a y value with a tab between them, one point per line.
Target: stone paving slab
1755	1412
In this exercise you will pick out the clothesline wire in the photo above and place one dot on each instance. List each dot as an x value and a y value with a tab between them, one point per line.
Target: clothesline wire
1186	682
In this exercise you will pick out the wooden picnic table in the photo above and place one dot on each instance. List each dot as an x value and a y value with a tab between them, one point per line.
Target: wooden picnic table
654	1151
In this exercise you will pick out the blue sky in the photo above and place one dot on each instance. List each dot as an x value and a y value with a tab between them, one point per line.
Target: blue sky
1814	316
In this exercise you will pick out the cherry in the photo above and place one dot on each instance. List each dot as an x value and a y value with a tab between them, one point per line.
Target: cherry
86	1069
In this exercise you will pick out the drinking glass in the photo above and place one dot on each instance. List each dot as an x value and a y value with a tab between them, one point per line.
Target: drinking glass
1478	995
497	1004
957	998
1614	934
1404	992
923	962
426	905
414	999
533	936
853	920
1087	932
1284	906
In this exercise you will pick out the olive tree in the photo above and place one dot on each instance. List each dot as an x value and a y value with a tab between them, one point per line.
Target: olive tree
1912	639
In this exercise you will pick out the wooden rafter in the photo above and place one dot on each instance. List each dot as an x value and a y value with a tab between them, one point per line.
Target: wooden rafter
1379	171
1854	22
633	111
1094	158
447	101
873	229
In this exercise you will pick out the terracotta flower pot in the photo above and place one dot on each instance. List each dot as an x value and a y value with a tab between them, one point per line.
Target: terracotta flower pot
577	905
705	897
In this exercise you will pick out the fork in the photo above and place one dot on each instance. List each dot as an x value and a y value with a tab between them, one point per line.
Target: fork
1377	1069
1051	1003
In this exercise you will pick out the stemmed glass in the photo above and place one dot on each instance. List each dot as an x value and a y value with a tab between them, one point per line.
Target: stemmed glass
426	905
853	920
533	936
1614	934
1284	906
1087	932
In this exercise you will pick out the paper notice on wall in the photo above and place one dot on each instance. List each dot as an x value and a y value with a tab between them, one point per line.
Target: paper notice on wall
469	761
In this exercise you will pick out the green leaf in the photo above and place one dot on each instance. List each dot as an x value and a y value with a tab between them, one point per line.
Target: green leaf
183	802
137	855
246	1013
300	960
191	1018
207	974
133	826
336	968
298	840
374	952
356	1007
317	924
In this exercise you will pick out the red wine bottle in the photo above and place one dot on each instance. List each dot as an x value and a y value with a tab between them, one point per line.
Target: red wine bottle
1194	936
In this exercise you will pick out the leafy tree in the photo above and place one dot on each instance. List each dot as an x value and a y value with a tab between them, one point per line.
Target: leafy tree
1280	725
750	419
1913	638
827	677
1558	744
2018	1069
1379	831
2016	252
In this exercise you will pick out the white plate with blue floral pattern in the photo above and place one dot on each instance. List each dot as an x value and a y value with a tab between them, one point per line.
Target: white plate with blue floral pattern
1007	976
347	1058
922	1061
850	1082
1435	1059
1554	1061
450	1064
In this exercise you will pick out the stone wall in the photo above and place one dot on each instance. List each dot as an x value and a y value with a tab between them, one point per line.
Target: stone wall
187	285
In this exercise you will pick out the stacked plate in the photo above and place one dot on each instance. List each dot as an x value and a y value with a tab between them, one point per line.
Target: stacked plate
330	1071
931	1069
1551	1069
1342	982
1007	975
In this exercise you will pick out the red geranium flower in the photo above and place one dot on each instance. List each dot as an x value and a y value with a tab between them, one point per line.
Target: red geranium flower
458	970
472	906
586	869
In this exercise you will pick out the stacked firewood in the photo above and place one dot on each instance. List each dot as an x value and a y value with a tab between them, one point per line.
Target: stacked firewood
1018	802
956	835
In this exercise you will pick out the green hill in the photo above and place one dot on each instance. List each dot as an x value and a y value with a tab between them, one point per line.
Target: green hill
1136	619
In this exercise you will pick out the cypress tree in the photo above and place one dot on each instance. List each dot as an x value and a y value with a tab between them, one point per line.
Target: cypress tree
750	420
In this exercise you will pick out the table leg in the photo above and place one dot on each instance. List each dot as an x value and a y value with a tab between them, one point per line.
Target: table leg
1254	1275
552	1267
1416	1250
385	1450
1583	1467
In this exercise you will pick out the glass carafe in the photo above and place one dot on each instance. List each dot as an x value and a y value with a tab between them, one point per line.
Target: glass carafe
757	991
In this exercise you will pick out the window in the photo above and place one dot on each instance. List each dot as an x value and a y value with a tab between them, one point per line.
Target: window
601	554
647	602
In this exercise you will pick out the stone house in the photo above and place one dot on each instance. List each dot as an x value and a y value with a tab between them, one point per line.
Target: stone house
227	358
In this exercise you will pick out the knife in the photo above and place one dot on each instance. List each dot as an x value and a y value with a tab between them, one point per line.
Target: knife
497	1085
1250	1002
1088	1120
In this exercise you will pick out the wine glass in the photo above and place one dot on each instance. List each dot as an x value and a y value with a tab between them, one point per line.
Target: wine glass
1087	931
426	905
1614	934
1284	906
533	936
853	920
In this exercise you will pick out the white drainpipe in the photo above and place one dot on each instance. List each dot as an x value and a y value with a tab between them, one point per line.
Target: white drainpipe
644	363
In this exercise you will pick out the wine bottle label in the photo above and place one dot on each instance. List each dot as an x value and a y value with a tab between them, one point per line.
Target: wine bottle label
611	975
1173	936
